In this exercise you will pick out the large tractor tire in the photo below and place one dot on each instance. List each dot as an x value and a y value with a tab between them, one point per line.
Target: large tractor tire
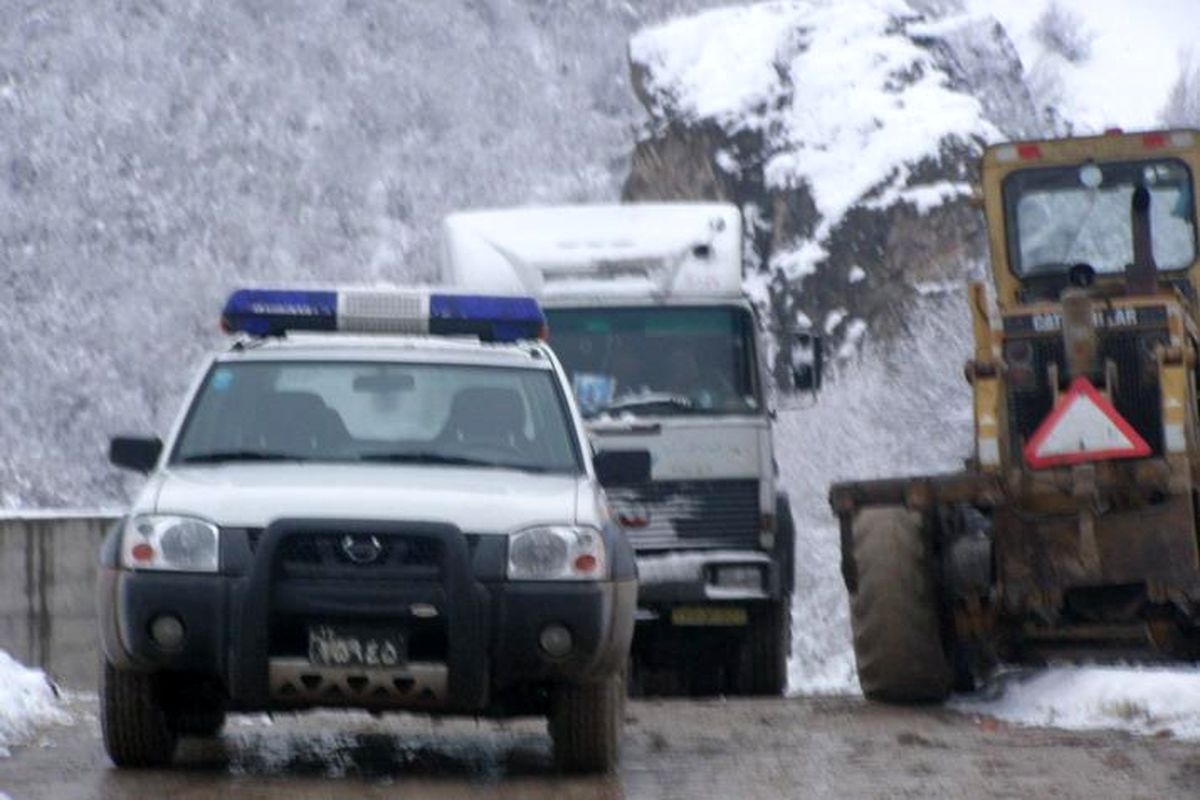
894	610
585	725
138	731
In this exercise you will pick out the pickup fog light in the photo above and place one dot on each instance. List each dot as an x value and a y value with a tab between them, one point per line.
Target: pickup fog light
556	640
738	577
167	631
557	552
168	542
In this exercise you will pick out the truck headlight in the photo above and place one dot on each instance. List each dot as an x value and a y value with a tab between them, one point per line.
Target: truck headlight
557	552
170	542
738	576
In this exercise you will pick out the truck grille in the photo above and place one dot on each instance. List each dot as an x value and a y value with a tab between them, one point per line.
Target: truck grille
321	555
721	513
1137	397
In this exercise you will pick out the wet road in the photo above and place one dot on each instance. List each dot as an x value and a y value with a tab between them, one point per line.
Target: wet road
837	747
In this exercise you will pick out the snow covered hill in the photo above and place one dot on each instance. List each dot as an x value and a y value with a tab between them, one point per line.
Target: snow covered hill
152	155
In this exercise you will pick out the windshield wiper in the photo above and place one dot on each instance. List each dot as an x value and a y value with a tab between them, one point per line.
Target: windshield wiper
657	399
440	458
426	458
217	456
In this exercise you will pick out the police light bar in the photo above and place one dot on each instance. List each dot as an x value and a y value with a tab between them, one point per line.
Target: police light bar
491	318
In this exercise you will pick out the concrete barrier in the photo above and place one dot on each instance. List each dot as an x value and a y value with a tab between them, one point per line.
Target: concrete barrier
48	591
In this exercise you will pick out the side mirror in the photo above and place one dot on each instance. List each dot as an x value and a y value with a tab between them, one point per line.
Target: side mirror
138	453
622	467
806	357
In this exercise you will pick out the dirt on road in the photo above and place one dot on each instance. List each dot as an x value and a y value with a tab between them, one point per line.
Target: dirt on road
800	748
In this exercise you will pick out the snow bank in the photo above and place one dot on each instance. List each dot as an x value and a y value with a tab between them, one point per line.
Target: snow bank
1145	700
27	703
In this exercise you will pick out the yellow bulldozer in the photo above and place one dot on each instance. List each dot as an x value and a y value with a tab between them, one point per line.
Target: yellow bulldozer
1073	530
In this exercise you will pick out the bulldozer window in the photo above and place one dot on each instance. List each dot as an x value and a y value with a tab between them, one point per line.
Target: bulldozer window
1059	217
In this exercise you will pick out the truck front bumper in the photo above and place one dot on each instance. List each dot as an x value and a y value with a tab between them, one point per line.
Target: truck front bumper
475	641
706	576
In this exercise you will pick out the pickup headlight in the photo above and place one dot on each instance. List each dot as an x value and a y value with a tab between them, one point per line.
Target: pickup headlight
170	542
557	552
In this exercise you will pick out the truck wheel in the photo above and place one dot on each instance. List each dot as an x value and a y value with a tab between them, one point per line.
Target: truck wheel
763	659
137	730
894	610
585	725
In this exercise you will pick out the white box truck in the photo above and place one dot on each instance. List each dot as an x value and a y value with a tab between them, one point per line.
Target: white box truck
669	362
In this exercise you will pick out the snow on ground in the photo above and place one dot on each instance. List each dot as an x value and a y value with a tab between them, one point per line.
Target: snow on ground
27	703
1142	700
1121	59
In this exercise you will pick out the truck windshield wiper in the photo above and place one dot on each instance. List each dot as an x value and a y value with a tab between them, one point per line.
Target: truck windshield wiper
217	456
644	400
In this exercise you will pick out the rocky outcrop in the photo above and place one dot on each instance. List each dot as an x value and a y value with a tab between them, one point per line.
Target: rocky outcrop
852	161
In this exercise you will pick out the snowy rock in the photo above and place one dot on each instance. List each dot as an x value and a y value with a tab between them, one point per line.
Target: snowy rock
855	128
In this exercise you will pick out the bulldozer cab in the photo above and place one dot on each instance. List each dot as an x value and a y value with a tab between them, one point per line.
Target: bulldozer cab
1096	265
1061	214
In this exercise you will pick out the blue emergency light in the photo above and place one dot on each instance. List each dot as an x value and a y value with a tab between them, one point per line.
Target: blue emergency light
491	318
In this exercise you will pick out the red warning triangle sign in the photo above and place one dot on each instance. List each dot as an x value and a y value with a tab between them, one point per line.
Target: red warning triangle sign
1084	426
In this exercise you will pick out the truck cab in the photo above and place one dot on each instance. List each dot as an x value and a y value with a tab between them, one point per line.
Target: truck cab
667	359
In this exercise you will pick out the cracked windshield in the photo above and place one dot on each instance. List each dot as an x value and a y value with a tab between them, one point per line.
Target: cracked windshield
1081	215
658	360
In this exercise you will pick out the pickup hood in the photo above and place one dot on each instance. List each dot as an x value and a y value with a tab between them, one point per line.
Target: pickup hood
476	500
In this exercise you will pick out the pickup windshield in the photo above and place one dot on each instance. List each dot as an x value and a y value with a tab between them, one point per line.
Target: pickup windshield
1059	217
379	412
658	361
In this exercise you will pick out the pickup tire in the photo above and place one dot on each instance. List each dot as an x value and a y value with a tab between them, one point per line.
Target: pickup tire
137	730
585	725
200	723
894	610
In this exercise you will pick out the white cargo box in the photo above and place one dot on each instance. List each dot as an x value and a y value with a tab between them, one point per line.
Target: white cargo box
658	251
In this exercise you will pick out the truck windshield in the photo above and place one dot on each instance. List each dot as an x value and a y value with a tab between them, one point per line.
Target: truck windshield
657	360
1062	216
379	412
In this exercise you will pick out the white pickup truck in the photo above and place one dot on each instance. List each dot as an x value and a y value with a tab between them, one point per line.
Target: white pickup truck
669	363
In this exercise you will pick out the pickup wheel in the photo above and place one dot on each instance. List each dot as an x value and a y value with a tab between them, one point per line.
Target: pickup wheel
200	723
137	730
894	610
585	725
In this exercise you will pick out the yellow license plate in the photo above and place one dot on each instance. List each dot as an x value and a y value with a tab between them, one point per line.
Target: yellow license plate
708	615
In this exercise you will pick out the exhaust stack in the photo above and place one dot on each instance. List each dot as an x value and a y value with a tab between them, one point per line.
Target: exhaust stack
1141	277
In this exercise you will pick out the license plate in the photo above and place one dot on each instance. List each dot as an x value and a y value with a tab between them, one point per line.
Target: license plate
709	615
336	646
